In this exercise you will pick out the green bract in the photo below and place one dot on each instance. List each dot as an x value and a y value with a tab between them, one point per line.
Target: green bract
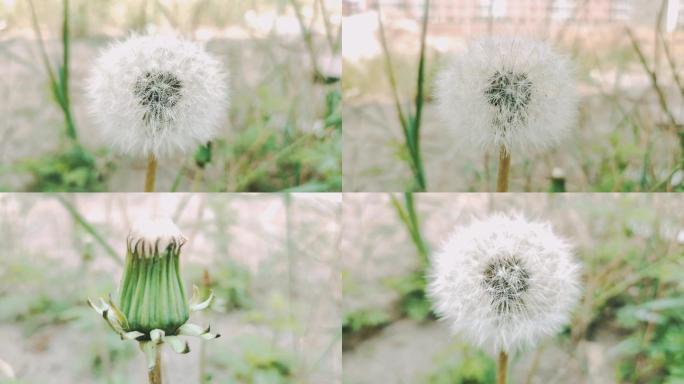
153	305
152	292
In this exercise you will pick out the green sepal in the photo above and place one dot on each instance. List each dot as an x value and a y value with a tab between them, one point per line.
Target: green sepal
210	336
195	305
177	344
108	314
189	329
133	335
120	318
157	336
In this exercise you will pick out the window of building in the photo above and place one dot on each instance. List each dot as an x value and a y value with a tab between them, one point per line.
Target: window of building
563	10
493	8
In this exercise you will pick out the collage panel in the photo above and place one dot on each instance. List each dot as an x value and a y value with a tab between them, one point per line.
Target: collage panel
170	95
303	191
573	288
513	95
257	255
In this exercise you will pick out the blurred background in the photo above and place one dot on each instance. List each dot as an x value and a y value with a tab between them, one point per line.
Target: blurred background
629	136
261	254
284	123
628	327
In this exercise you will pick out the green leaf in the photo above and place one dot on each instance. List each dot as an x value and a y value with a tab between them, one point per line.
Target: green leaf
203	155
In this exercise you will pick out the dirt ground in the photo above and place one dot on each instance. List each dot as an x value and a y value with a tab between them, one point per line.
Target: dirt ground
392	357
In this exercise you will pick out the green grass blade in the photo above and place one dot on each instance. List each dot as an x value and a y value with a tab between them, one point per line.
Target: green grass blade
90	229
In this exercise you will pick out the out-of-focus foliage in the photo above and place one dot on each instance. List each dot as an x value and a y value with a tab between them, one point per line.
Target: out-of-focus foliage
654	350
471	367
75	170
257	362
413	301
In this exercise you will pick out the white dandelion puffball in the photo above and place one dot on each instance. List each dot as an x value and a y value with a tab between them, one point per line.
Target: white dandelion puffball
504	283
157	95
146	235
508	92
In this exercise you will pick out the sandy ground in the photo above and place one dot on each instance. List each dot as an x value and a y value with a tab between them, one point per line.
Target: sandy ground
392	357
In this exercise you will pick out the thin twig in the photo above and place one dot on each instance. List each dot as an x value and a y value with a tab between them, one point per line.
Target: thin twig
672	64
328	26
90	229
308	40
654	80
41	44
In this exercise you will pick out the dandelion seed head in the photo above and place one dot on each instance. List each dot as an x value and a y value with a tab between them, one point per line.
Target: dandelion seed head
508	92
157	95
158	92
149	236
504	282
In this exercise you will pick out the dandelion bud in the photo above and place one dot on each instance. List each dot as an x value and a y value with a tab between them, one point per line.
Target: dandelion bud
508	92
504	283
154	95
152	292
154	308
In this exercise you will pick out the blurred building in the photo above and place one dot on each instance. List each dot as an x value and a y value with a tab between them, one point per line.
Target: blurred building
504	11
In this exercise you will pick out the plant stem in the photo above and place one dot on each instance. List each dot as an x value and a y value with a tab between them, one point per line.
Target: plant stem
504	168
420	89
389	68
308	41
502	368
410	125
151	174
59	81
64	75
154	374
410	219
